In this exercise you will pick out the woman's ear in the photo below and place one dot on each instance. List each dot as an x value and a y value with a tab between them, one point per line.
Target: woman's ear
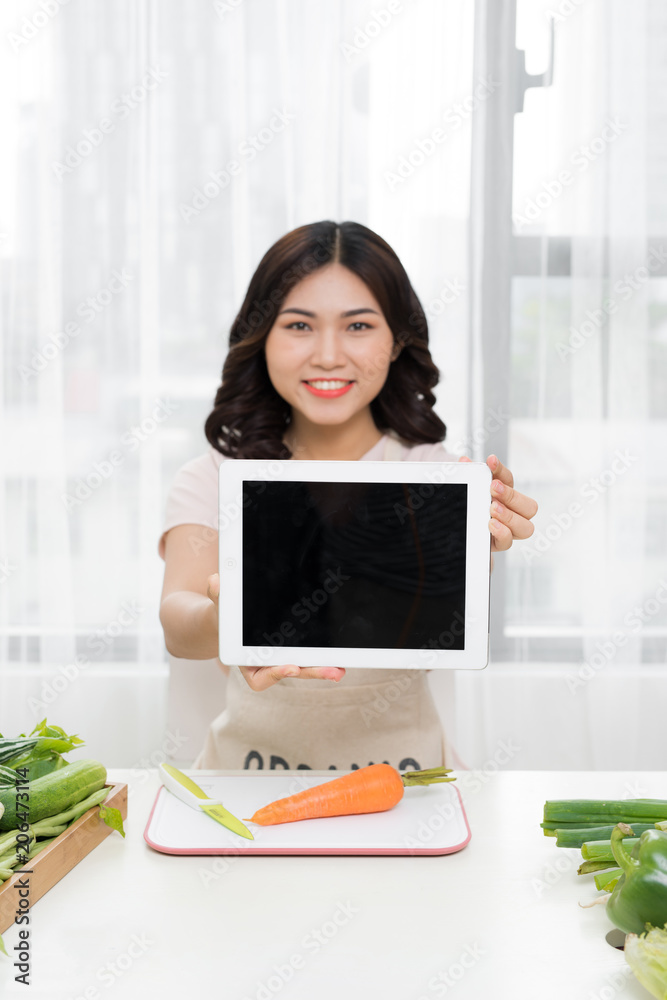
395	351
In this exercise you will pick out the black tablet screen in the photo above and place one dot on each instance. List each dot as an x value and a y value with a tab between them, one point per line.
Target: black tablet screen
354	564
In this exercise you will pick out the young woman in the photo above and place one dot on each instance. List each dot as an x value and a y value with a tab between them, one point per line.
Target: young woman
328	359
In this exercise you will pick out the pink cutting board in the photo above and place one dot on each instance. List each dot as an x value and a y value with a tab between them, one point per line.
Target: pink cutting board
427	820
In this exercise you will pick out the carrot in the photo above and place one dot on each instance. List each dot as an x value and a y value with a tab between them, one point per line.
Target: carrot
375	788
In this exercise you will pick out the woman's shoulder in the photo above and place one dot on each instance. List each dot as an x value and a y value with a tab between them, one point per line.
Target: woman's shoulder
201	466
197	476
430	451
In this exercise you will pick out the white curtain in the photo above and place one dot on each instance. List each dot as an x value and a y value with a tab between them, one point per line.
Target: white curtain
587	394
127	242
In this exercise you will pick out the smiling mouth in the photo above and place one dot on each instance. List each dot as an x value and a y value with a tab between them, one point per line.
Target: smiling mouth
321	383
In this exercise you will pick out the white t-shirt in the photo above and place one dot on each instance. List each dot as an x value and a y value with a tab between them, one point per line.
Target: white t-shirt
371	715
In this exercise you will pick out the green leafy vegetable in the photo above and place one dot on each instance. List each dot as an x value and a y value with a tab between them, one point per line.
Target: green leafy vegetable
44	743
112	818
646	954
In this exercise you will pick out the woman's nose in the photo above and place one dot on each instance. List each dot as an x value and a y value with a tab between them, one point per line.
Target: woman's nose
328	350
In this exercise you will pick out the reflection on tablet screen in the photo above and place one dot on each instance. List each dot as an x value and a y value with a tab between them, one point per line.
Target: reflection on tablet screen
354	564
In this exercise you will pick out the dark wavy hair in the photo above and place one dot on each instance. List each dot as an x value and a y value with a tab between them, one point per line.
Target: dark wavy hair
249	417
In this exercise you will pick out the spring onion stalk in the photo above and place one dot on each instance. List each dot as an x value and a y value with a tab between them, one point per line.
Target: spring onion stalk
646	954
594	866
578	836
607	880
549	826
600	850
606	811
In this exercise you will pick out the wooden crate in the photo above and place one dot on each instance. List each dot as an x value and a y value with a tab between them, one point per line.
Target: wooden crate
49	866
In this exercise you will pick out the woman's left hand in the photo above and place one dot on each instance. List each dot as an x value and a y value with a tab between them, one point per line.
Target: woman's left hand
511	511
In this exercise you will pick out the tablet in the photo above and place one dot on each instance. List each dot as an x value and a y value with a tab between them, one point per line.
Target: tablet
354	564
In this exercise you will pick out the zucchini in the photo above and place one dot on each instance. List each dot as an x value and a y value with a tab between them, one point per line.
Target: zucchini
53	793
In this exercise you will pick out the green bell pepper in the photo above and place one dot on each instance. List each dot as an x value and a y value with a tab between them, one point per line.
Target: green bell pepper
640	895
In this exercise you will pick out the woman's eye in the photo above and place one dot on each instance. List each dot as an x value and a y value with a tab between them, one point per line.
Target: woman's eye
301	325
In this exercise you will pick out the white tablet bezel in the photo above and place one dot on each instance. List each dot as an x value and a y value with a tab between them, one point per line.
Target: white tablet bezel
232	474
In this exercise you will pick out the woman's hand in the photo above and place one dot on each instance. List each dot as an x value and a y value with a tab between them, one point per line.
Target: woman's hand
261	678
511	511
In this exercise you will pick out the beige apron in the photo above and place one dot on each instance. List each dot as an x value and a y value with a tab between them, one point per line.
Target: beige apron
371	715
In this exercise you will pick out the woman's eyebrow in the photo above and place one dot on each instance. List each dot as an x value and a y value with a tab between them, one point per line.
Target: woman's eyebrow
350	312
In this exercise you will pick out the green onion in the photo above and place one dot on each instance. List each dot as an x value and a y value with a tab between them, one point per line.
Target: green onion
578	835
607	880
594	866
600	850
605	811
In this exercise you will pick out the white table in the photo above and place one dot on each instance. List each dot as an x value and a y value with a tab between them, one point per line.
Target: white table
497	920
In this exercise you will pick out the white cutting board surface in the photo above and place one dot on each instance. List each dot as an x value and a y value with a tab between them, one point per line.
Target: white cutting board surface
427	820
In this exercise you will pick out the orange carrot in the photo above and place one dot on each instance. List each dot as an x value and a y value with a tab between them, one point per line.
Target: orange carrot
375	788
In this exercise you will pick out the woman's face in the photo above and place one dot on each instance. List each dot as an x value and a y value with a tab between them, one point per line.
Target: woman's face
329	350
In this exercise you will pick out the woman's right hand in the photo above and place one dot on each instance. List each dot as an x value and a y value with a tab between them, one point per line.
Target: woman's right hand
261	678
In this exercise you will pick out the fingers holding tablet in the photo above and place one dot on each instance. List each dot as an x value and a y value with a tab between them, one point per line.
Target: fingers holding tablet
261	678
213	588
519	524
